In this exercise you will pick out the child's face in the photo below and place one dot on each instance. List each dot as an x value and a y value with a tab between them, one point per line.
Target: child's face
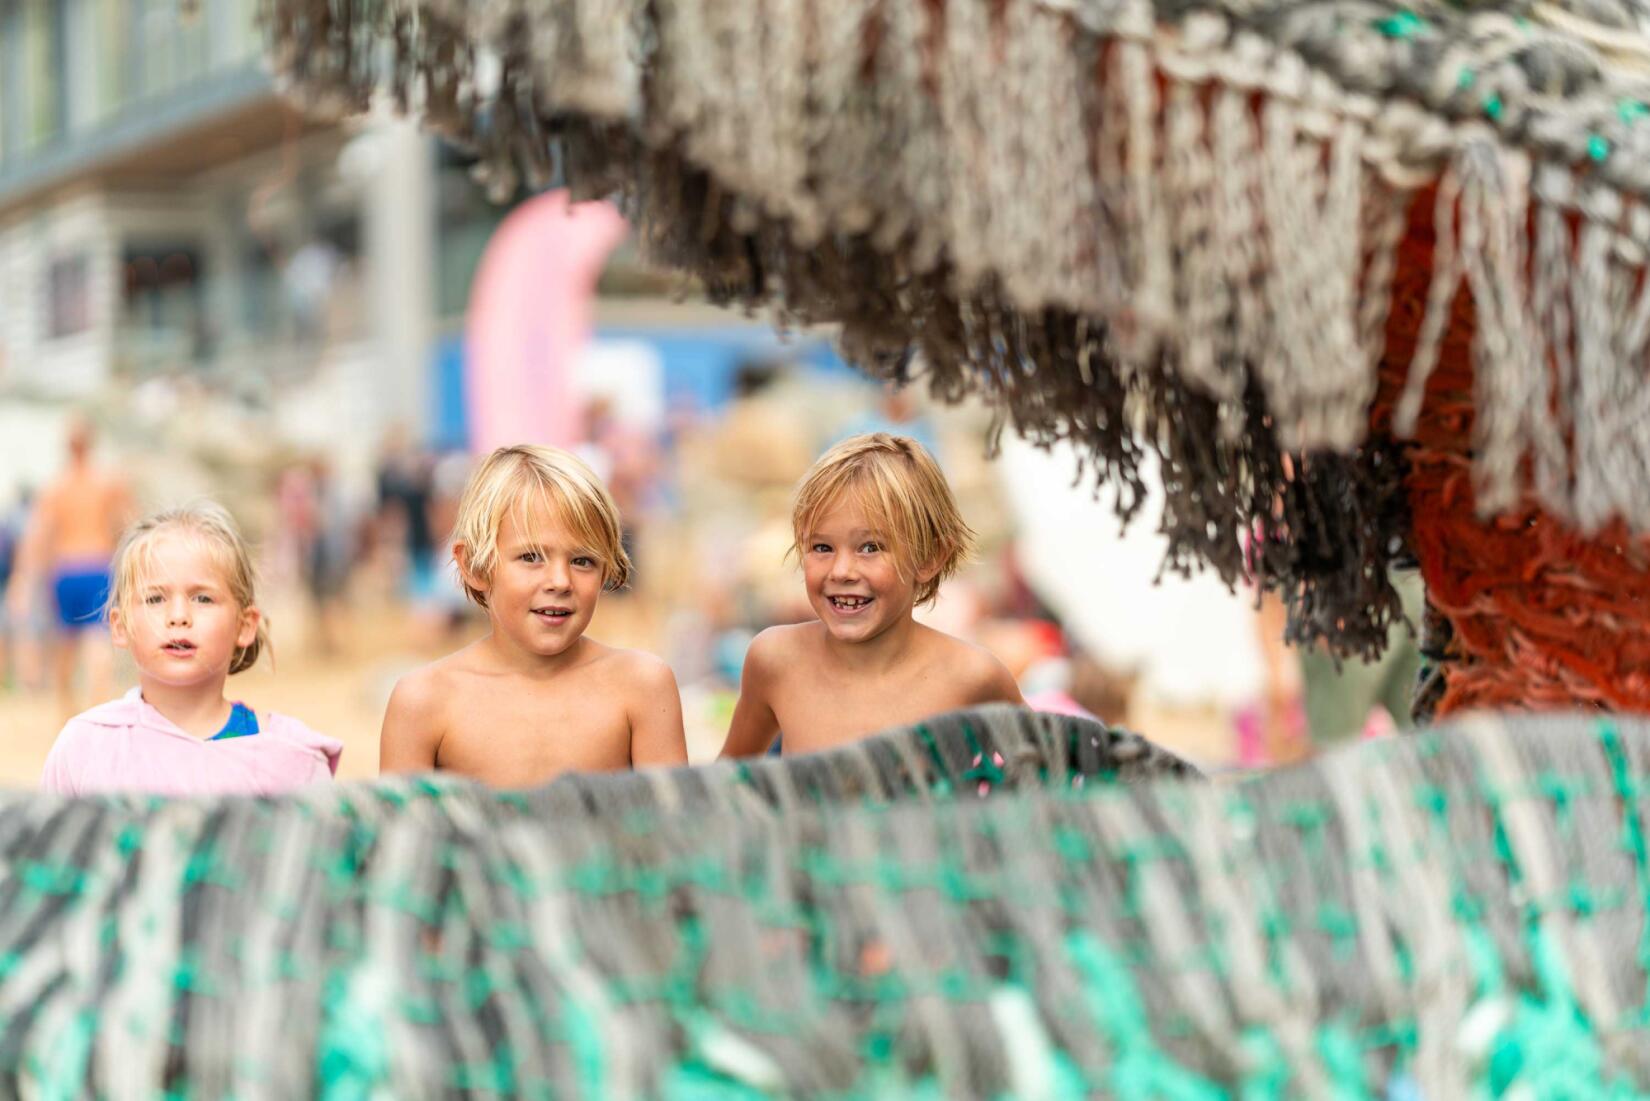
545	584
853	579
184	627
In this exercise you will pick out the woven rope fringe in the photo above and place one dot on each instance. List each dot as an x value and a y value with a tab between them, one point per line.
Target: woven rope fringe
1096	220
1562	314
1464	908
1197	234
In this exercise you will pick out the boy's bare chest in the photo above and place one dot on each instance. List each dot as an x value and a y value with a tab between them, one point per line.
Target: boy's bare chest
514	739
818	713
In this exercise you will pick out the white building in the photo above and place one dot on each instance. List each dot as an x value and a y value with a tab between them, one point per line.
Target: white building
162	211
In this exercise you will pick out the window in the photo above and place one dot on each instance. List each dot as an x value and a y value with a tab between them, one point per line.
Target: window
6	95
157	35
174	39
42	71
244	38
68	297
194	41
163	320
113	32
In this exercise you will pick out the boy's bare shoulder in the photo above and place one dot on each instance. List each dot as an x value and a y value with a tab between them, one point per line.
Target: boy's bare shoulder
983	676
418	689
776	651
418	719
438	678
644	671
429	688
778	645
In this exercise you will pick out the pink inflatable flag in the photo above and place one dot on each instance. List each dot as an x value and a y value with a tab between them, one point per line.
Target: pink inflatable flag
530	313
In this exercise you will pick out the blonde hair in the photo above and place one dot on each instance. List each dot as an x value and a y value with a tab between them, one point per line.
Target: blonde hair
900	487
210	523
563	484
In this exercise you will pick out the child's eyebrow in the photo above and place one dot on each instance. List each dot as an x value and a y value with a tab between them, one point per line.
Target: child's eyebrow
862	533
541	548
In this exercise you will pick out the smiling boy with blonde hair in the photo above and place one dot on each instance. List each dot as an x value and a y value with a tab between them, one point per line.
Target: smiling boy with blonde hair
877	529
536	543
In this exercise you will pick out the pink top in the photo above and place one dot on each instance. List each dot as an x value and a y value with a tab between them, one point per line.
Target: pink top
127	745
1058	703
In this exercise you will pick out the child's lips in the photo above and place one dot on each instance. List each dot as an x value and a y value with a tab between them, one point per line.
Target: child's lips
179	649
553	615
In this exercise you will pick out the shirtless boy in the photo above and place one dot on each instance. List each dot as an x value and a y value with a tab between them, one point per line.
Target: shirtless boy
70	539
536	543
877	530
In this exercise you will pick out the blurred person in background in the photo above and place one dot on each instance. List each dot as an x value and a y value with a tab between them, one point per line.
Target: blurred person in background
447	609
896	412
625	458
1353	698
1272	729
308	277
760	441
19	659
1313	702
758	450
404	473
316	522
295	511
69	542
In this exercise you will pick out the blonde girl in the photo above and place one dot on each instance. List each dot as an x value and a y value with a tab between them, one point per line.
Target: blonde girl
182	603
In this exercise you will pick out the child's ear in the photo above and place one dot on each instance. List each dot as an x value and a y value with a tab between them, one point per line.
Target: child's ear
927	572
250	618
117	630
461	558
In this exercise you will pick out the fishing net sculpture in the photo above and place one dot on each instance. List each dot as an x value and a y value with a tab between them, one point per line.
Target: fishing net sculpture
1463	913
1368	277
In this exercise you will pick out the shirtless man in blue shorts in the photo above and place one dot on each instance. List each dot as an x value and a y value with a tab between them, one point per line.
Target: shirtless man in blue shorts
71	537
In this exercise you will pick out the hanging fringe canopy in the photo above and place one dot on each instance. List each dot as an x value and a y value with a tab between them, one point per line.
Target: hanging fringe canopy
1464	910
1129	224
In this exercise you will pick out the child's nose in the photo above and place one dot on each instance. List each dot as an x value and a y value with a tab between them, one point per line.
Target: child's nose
844	566
177	612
